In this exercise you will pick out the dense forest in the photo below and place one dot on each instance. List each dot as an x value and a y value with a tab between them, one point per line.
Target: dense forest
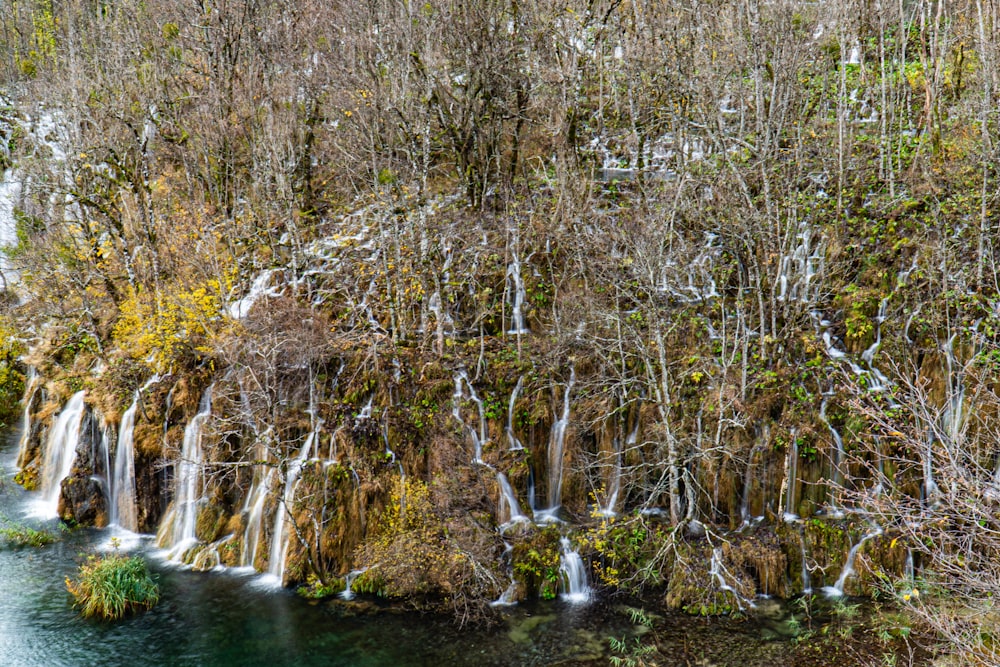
448	297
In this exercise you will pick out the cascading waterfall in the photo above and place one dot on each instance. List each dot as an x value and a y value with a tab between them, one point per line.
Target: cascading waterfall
745	500
103	456
615	481
180	521
791	478
60	453
557	442
531	491
31	385
837	590
799	267
279	535
477	436
838	475
573	574
761	440
508	597
366	412
953	414
123	510
518	326
263	482
806	579
909	571
512	440
877	380
718	573
879	487
930	486
261	287
347	593
508	501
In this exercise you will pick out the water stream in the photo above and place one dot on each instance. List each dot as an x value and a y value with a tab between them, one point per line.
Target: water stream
279	535
180	523
557	441
575	588
60	452
512	440
123	512
837	590
477	435
518	326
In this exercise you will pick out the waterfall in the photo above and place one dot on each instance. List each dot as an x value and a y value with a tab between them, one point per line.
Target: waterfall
791	478
279	535
930	486
573	574
517	315
260	489
478	437
366	412
838	476
837	590
877	380
806	581
953	416
508	499
832	351
31	385
718	573
909	571
799	267
762	439
102	461
615	485
123	512
557	441
188	485
261	287
531	489
515	444
347	593
60	453
745	500
508	597
879	487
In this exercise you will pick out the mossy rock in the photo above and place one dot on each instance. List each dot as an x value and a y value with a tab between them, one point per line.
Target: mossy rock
211	523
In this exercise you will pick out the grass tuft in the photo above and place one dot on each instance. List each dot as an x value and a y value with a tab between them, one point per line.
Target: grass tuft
113	586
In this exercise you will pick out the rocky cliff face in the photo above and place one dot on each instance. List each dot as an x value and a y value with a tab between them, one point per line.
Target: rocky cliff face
441	484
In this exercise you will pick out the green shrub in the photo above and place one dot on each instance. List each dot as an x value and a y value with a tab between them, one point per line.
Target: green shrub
19	535
113	586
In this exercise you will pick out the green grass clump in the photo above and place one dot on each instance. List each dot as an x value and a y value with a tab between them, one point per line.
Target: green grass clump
113	586
25	536
16	534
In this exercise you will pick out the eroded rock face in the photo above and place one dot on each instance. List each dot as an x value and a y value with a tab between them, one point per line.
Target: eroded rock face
31	440
83	501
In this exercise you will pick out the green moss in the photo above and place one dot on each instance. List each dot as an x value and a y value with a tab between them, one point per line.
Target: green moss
536	563
211	523
28	478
